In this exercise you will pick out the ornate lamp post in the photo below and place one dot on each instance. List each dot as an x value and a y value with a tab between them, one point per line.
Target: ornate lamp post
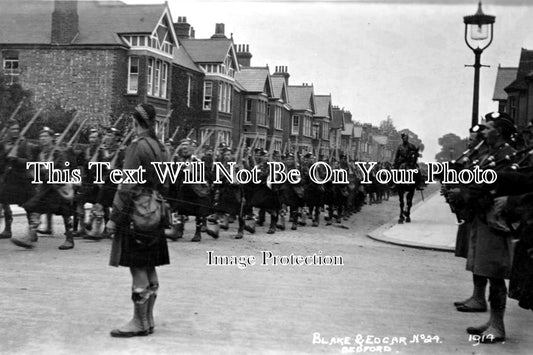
478	36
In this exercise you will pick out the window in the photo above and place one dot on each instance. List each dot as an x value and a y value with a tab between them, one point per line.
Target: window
164	73
224	97
157	77
325	130
150	77
133	75
277	117
295	125
512	107
10	66
208	95
248	114
189	83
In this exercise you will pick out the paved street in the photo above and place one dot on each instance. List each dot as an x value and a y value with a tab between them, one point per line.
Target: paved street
65	302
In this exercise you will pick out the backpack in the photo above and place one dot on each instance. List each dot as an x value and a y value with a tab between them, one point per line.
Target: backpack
149	207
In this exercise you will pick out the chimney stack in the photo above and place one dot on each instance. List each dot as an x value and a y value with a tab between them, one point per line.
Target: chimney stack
283	72
244	57
182	28
64	22
219	31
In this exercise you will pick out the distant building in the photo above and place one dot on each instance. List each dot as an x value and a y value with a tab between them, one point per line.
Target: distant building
520	91
504	77
302	102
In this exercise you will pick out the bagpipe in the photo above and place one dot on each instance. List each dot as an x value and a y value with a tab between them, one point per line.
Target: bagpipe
478	197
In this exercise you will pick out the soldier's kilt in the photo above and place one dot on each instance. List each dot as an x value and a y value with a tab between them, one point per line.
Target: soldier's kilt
291	195
314	194
16	188
48	200
192	200
131	250
264	197
230	199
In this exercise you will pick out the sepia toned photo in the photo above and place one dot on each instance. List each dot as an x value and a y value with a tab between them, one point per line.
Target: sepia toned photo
266	177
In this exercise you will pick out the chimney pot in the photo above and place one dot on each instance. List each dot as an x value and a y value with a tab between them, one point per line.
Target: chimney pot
64	21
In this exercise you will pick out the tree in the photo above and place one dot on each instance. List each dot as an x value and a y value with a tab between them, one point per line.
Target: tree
387	127
451	146
54	115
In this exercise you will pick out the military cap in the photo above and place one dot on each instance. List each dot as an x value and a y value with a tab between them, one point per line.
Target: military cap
308	155
114	131
145	115
258	150
262	152
477	128
186	141
47	130
491	116
170	141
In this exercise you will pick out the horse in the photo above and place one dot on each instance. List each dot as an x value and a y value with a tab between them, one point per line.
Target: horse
407	189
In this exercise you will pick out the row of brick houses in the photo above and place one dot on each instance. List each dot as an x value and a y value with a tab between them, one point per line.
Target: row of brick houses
103	58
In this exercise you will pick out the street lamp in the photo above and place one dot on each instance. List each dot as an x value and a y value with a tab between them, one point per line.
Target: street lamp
478	36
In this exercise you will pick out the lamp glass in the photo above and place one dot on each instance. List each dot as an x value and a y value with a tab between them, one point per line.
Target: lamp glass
479	32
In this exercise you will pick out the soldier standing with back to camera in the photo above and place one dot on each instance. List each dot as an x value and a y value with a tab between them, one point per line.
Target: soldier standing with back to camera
142	252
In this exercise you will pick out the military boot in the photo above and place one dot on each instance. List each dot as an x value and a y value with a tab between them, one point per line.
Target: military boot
150	308
69	237
26	241
8	220
138	325
198	232
273	222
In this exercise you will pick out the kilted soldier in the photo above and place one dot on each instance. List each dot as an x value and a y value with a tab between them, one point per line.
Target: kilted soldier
50	198
15	184
291	196
139	249
490	244
113	153
314	193
190	199
265	196
336	198
88	191
229	197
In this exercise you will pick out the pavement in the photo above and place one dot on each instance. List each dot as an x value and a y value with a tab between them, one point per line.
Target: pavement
432	227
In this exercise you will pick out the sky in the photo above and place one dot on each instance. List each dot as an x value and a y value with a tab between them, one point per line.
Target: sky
398	58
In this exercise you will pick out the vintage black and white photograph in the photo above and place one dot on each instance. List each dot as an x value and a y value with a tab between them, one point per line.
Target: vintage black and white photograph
266	177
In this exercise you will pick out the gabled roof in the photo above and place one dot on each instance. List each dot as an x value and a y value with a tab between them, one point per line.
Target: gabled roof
323	104
280	88
30	22
302	97
182	59
504	77
525	69
255	79
212	50
337	121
